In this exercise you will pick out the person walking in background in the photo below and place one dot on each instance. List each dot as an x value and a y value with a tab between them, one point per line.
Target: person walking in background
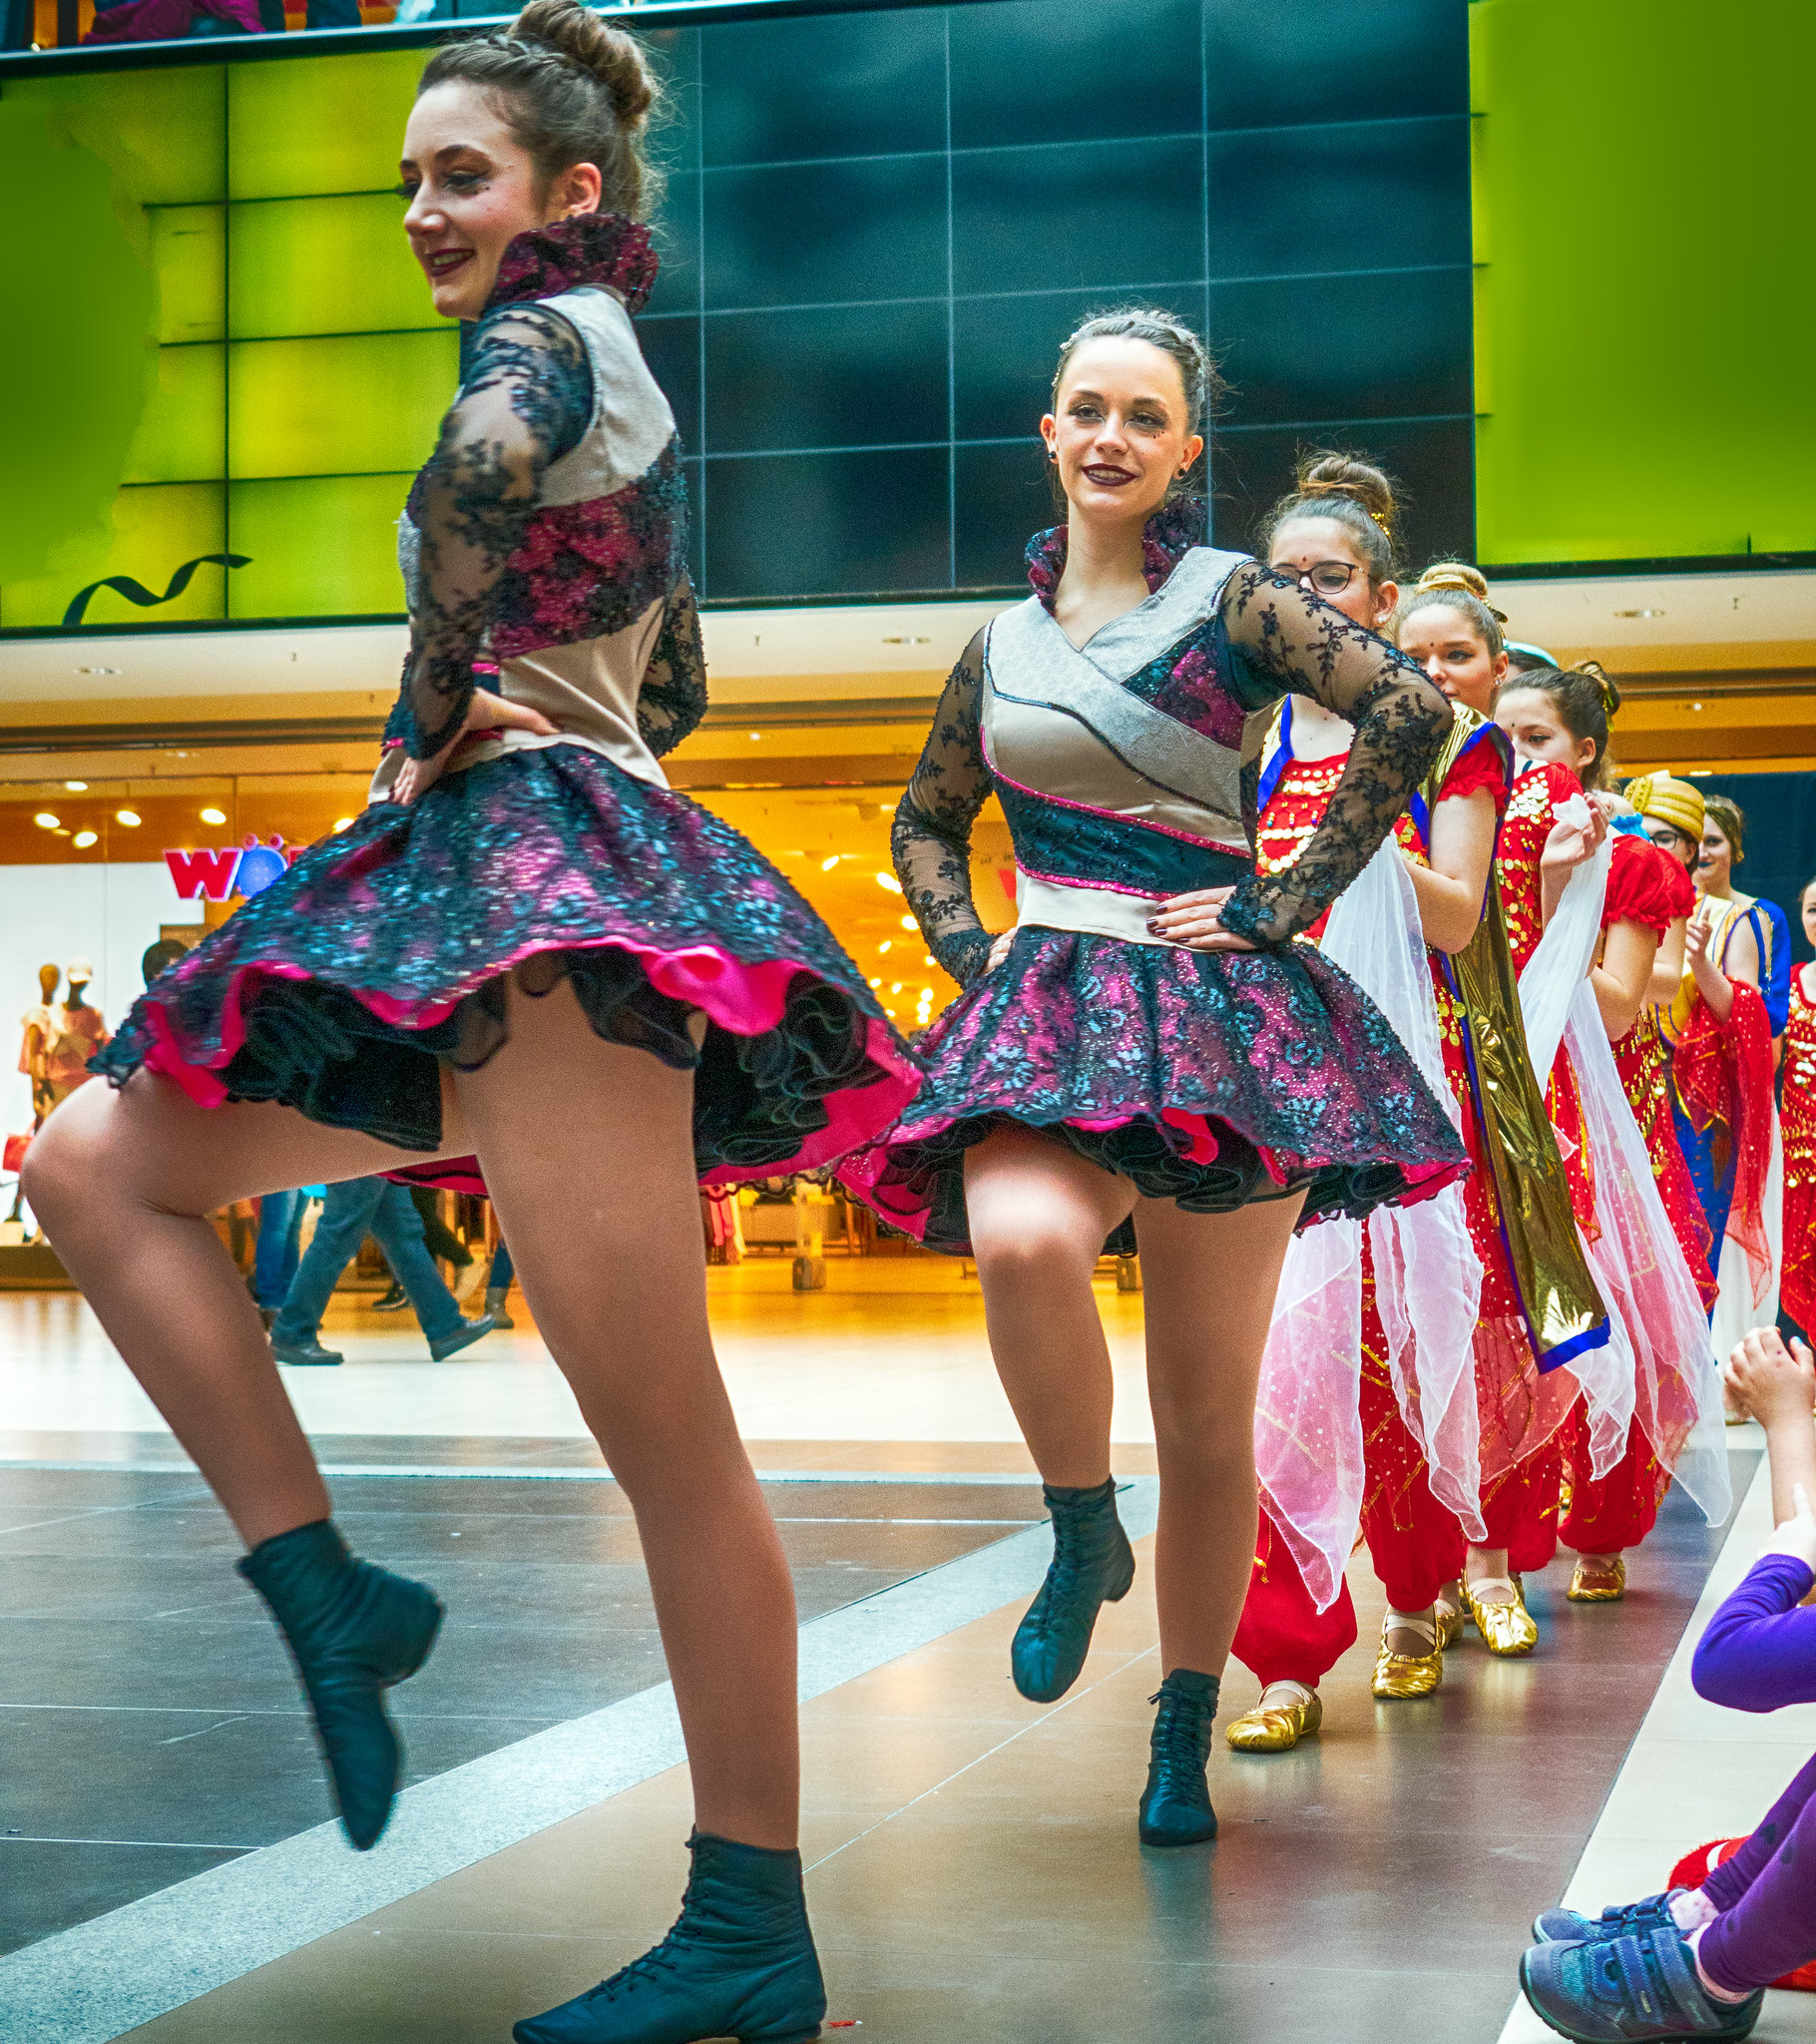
385	1210
444	1244
278	1252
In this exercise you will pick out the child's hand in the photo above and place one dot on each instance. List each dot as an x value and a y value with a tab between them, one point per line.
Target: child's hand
1798	1536
1774	1383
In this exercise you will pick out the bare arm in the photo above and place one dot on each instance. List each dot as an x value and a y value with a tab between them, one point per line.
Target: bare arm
1451	889
1623	976
1668	966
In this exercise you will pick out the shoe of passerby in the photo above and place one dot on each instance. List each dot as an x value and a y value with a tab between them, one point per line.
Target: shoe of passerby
267	1315
303	1352
495	1309
468	1279
393	1301
469	1332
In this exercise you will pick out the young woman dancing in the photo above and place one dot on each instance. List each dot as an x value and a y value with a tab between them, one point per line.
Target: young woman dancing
1149	1041
1561	717
1415	1489
527	949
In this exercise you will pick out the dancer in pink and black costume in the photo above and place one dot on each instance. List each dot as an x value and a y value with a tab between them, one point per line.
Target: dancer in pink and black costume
1149	1040
528	959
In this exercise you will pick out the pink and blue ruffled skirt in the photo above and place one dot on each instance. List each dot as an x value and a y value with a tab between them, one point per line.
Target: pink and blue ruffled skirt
1213	1079
385	951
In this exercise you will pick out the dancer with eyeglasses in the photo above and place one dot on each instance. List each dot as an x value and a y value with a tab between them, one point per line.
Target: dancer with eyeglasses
531	954
1149	1041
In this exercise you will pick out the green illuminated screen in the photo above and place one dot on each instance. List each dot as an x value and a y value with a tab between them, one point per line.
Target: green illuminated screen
1644	290
238	355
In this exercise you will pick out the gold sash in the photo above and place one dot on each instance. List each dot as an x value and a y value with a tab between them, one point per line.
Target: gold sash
1564	1310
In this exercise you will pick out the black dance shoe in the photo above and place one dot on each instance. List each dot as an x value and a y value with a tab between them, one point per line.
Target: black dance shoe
1176	1805
353	1629
1092	1564
739	1963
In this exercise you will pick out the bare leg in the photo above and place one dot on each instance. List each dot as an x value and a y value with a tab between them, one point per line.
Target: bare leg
1039	1215
123	1183
588	1151
1209	1281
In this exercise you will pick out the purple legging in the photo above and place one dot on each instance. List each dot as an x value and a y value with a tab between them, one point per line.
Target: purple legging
1767	1897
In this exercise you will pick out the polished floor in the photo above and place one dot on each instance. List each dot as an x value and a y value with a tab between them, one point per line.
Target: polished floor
973	1868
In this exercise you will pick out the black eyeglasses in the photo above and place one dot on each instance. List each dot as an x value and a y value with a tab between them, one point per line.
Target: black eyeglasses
1328	578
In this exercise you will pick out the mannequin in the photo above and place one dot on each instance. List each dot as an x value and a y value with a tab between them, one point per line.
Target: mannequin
76	1032
38	1024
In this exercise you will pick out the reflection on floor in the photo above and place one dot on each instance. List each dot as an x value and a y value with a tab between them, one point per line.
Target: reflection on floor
974	1869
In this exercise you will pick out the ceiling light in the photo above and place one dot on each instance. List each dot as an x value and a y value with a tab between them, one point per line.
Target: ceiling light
907	638
754	735
895	986
213	815
877	983
97	670
344	823
77	786
1695	706
83	840
826	864
46	822
928	959
908	923
1639	613
889	883
130	818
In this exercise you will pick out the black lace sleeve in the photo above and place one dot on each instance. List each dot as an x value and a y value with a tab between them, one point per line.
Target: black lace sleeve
1310	648
932	837
673	696
526	400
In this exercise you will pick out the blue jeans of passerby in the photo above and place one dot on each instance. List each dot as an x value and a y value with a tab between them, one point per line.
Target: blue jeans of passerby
351	1212
279	1246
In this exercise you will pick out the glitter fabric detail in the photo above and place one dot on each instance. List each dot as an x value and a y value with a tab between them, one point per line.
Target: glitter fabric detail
588	248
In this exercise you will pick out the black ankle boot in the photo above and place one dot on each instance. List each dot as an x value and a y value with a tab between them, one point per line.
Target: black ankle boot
1092	1564
1176	1805
739	1963
353	1629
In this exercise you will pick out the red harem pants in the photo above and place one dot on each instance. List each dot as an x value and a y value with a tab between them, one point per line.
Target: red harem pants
1617	1510
1414	1543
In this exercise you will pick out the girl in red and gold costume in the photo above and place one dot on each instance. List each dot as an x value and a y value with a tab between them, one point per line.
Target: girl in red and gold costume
1560	717
1459	1364
1798	1119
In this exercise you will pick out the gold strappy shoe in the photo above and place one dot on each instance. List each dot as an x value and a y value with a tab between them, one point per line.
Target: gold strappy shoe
1452	1619
1401	1676
1599	1579
1274	1728
1504	1628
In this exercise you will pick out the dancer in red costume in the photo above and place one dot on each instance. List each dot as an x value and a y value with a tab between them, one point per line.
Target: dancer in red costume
1560	716
1798	1120
1334	532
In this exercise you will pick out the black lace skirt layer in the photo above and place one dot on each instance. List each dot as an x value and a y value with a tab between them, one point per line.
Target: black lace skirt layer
341	989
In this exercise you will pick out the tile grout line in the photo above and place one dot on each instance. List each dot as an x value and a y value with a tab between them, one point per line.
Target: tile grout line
100	1979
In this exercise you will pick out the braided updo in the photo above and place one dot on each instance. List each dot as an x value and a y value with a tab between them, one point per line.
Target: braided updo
1356	494
572	90
1460	588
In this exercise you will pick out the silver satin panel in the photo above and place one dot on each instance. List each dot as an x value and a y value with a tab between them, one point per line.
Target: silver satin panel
589	689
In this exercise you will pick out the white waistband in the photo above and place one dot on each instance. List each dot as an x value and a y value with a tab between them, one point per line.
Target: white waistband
1091	911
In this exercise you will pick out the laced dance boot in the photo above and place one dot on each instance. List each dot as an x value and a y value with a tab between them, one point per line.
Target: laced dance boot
739	1963
1176	1805
354	1629
1092	1565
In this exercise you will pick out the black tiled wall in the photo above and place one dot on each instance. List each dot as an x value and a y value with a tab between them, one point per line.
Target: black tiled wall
880	225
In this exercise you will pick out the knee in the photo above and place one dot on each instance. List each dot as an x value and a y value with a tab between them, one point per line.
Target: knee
1043	1252
65	1164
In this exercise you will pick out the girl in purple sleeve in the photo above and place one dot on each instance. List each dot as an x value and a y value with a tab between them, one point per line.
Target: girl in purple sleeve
1695	1963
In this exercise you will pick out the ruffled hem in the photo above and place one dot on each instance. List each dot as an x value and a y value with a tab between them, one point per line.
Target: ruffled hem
1213	1079
383	953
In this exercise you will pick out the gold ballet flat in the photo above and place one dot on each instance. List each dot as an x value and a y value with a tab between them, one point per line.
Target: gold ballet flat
1399	1676
1599	1580
1504	1628
1274	1728
1452	1618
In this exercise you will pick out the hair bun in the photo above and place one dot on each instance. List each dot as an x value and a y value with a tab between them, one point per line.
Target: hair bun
1342	475
1611	694
607	53
1459	574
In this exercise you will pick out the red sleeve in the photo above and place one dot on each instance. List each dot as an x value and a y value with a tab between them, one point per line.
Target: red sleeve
1482	763
1638	891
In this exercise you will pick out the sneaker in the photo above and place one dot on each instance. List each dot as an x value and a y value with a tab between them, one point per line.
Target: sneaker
469	1278
1566	1927
1636	1989
393	1301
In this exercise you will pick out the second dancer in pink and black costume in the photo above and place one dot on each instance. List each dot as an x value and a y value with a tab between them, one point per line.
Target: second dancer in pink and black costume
1149	1041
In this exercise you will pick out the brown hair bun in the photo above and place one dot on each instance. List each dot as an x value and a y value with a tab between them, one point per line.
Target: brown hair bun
1355	493
1342	475
1459	574
611	57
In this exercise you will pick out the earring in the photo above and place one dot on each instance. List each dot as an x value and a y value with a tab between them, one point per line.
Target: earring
1052	454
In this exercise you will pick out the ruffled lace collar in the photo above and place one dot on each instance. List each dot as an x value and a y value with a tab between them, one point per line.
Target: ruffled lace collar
589	248
1166	538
